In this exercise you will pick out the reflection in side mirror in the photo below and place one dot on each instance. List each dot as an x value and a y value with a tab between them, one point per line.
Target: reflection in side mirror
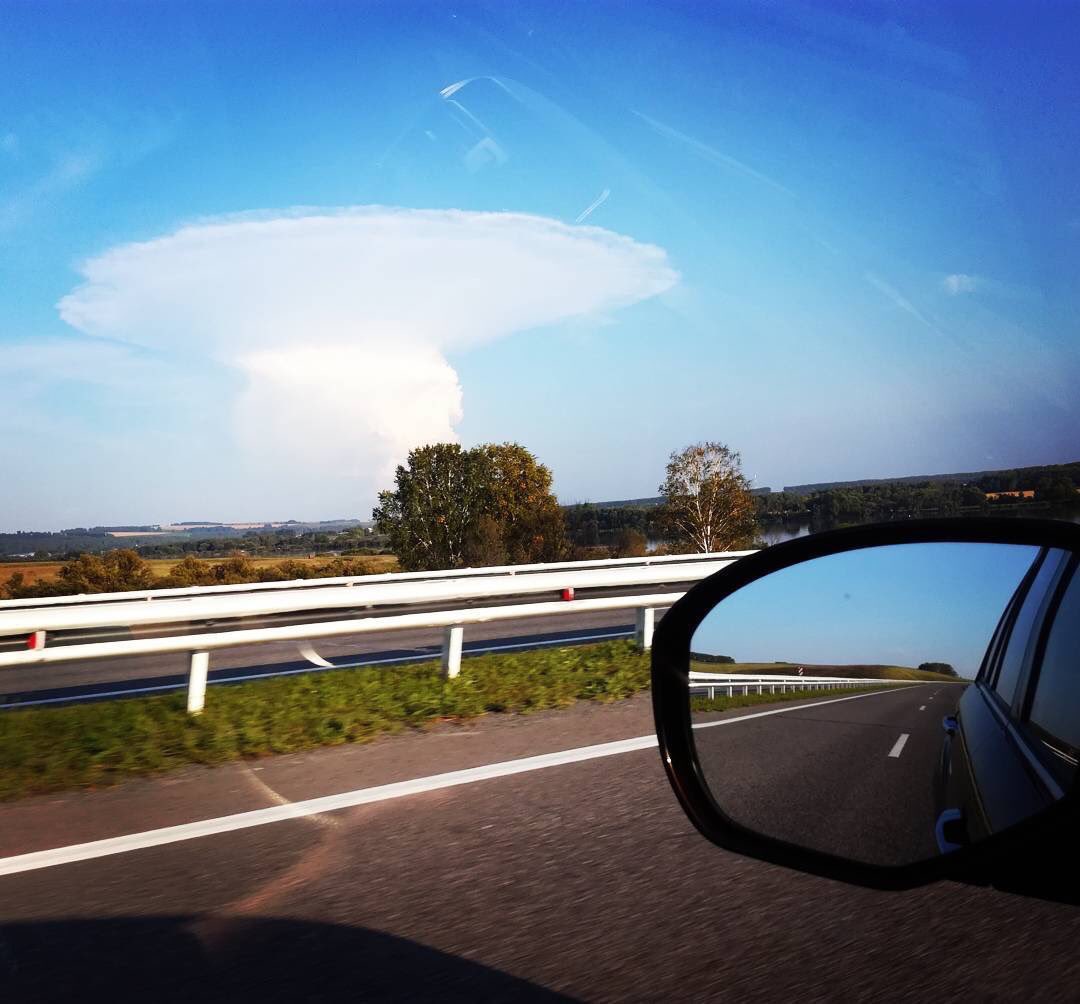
898	694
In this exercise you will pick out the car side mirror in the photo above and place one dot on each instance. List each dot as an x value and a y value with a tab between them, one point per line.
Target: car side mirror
884	704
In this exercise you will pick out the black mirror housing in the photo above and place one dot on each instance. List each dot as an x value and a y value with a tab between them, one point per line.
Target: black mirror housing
671	679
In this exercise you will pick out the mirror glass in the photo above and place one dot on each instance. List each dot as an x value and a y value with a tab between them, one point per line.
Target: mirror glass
891	704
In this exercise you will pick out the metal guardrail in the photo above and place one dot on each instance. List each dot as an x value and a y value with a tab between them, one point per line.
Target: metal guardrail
728	684
35	623
384	600
453	621
364	580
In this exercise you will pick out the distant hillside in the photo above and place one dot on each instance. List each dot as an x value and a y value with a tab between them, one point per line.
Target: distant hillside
1070	469
862	672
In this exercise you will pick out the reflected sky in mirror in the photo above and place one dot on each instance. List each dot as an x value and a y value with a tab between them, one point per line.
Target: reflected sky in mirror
899	605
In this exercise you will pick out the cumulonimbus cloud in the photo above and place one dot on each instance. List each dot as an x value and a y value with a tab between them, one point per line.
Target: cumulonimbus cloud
340	320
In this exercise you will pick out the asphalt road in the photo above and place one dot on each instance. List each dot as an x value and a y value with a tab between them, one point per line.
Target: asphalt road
853	777
75	681
579	881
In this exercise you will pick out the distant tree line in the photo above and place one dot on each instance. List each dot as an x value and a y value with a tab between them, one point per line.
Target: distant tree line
124	570
945	668
886	500
259	543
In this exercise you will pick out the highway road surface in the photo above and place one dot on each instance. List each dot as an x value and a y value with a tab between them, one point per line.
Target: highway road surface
556	866
850	776
56	683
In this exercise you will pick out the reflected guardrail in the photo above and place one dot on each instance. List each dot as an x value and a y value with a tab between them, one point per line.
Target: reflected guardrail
729	684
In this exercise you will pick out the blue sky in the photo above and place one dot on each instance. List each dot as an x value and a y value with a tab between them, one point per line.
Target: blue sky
901	605
843	241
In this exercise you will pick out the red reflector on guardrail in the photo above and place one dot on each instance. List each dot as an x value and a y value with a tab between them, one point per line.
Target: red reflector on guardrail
568	594
36	640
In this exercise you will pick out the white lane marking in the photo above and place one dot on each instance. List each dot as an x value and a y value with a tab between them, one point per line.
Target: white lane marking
922	707
796	707
363	796
419	657
898	746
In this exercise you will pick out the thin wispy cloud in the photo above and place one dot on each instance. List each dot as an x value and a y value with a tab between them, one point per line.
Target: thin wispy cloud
339	321
959	283
9	144
67	173
892	294
593	206
712	154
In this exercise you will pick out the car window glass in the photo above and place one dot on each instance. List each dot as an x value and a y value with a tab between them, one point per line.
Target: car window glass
1013	659
1057	691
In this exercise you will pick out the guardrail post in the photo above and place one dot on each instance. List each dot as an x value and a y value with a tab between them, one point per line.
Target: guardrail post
451	651
646	621
196	694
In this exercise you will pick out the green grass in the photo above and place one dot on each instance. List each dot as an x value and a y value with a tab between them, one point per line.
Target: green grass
865	672
725	703
50	749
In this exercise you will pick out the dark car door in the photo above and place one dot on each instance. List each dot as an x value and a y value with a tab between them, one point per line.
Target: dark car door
992	778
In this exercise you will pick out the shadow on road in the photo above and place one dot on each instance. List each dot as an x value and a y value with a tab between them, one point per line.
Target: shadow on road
191	958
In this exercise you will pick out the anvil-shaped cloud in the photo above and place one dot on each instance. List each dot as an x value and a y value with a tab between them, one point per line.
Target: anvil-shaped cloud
340	319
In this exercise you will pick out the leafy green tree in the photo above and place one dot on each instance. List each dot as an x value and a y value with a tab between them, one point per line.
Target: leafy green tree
938	667
486	544
440	493
236	569
521	501
451	507
707	502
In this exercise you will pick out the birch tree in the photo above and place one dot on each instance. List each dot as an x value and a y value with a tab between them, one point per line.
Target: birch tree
707	501
440	493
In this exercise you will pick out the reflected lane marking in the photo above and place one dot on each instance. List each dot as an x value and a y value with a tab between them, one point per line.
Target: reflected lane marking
898	746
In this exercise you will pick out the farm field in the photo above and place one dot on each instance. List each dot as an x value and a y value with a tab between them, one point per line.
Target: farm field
47	571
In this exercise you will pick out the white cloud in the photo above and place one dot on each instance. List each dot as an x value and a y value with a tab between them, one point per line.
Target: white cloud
339	322
959	283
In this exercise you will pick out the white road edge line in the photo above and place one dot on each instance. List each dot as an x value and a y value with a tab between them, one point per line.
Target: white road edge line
346	800
898	746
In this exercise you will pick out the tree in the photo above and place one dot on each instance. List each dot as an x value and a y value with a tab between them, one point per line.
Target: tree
489	505
521	501
707	502
440	493
630	544
111	572
944	668
190	572
485	546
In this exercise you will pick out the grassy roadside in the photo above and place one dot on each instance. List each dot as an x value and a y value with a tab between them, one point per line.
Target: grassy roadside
726	703
50	749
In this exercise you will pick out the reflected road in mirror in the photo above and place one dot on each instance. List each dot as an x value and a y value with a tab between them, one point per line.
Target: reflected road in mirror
834	702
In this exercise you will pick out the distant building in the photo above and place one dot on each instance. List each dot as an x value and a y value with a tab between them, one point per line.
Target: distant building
1027	493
